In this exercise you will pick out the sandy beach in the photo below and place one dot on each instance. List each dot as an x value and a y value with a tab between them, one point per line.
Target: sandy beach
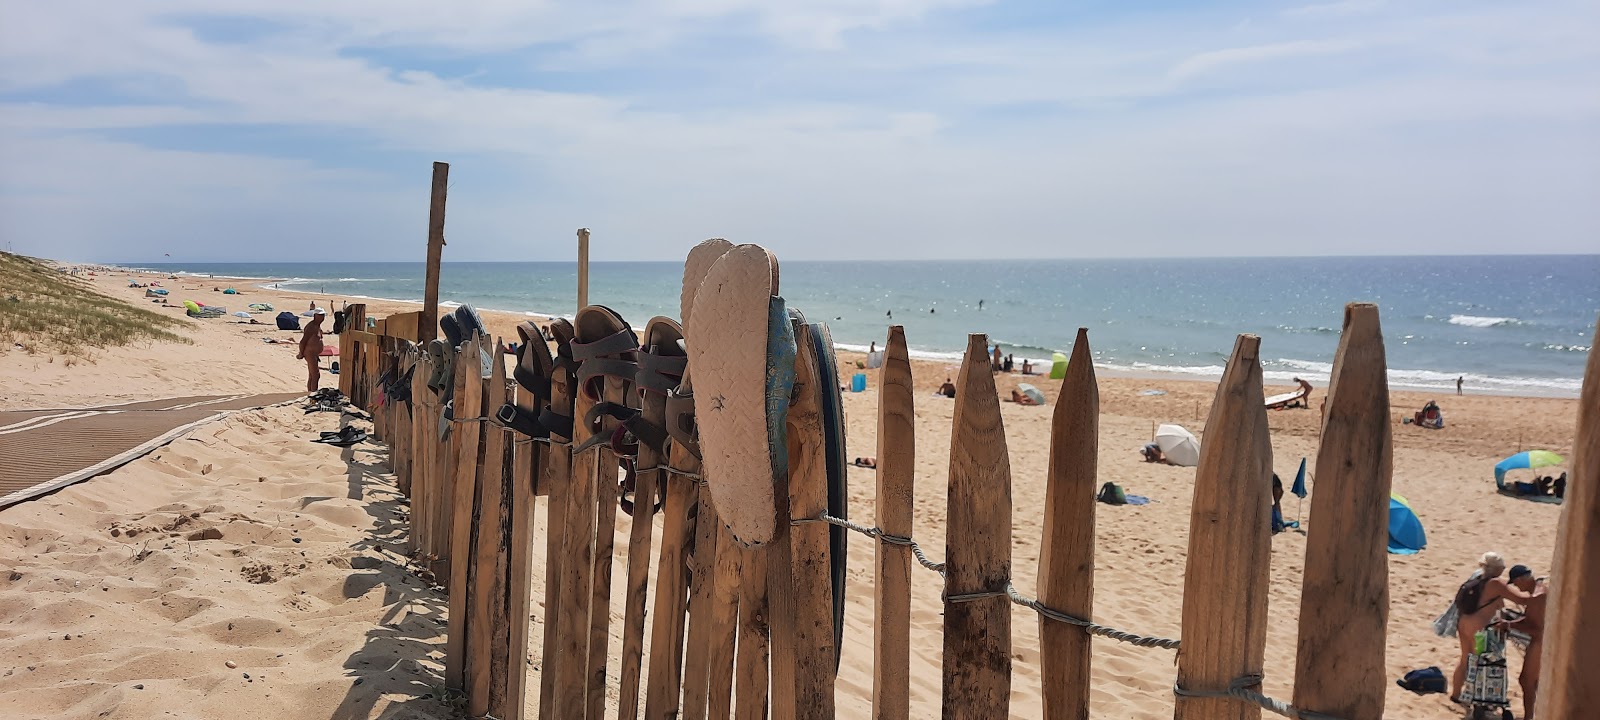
119	604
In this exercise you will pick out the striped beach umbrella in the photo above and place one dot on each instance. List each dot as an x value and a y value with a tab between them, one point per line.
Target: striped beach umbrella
1529	460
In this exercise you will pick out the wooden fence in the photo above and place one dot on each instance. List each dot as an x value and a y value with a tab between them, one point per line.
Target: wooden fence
735	631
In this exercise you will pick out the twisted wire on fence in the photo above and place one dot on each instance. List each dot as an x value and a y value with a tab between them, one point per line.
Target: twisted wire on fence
1239	689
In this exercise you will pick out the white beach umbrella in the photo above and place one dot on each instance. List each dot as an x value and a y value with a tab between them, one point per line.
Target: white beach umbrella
1179	445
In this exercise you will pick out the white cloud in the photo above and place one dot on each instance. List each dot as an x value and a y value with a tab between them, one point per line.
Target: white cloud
1335	9
1213	60
1087	138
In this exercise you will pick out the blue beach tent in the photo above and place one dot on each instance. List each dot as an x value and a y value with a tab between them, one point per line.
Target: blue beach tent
1405	530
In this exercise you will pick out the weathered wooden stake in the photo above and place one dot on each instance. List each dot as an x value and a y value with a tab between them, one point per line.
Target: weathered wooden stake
801	591
1066	560
428	327
649	479
1566	689
672	588
751	662
555	478
897	459
725	615
607	493
489	631
1344	596
583	268
977	631
523	502
465	451
421	471
1225	580
571	659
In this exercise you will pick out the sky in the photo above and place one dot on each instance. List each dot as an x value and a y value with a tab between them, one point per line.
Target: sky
276	130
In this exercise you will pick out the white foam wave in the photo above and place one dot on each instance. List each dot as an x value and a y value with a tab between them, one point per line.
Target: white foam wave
1479	321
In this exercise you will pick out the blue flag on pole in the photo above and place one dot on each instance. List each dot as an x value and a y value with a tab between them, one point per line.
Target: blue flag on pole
1299	488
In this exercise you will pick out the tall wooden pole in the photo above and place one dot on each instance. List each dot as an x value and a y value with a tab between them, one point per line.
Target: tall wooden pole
583	268
430	291
1566	689
1344	598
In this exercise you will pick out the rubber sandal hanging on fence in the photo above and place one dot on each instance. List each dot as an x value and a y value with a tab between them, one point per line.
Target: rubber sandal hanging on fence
742	349
832	411
605	347
661	364
534	369
439	376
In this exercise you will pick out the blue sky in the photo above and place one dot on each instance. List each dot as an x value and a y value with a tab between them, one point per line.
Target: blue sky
831	129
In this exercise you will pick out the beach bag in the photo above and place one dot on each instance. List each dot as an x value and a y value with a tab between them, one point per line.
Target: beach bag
1112	494
1425	681
1486	670
288	321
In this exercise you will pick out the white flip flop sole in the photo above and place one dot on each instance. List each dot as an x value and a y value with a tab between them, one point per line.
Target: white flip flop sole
728	345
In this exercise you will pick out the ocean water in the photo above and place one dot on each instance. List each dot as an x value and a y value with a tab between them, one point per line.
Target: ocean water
1511	324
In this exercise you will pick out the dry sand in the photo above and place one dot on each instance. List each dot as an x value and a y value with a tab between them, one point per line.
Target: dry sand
334	626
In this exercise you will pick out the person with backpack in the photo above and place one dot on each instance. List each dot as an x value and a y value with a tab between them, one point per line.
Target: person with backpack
1477	601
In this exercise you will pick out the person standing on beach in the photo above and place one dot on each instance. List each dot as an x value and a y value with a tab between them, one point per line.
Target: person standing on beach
1459	380
311	349
1532	623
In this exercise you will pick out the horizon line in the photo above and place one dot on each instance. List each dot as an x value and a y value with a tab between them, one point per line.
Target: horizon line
169	261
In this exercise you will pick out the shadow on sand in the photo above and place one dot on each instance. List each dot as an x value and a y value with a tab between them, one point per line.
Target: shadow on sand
399	667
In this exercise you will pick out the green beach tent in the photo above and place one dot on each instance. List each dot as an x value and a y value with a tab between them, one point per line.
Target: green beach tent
1058	366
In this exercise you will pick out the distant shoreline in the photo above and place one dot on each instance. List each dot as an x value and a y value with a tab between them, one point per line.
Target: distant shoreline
854	351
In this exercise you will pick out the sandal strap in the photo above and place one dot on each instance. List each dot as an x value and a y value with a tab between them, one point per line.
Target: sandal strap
680	421
620	341
609	367
521	420
530	381
556	423
660	373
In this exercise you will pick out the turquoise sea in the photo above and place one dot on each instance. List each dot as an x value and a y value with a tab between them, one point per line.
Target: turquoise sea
1509	324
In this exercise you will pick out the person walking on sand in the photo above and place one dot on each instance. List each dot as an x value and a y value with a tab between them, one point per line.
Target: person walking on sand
1459	380
311	348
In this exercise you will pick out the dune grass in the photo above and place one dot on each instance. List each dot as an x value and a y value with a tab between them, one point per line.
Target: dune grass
43	309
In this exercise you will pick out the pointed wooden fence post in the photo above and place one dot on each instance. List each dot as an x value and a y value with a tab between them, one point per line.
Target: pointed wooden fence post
669	627
555	480
751	662
607	493
421	442
1566	689
571	659
1225	578
522	499
1066	561
465	451
489	632
725	616
897	459
977	613
1344	596
798	571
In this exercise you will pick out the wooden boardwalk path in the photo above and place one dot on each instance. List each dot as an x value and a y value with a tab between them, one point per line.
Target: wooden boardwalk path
44	450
